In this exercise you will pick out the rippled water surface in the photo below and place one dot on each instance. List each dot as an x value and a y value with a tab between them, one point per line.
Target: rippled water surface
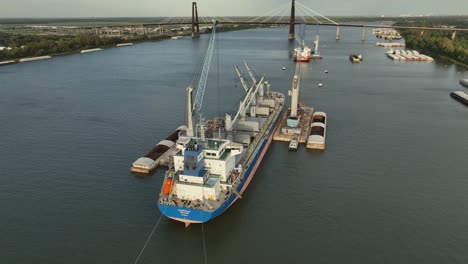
391	187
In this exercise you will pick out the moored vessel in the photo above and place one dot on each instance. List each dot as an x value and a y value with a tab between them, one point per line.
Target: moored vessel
158	154
318	131
212	170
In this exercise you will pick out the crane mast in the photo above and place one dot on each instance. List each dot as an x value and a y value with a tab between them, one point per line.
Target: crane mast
200	88
205	70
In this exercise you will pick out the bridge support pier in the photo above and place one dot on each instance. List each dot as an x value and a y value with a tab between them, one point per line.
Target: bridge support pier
195	25
292	34
338	33
454	34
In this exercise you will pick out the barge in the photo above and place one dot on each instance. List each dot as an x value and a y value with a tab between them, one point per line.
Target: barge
460	96
318	131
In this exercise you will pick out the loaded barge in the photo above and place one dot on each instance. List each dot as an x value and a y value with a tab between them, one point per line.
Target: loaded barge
158	155
318	131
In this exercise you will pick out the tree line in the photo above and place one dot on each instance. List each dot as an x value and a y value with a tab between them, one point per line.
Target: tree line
39	45
438	43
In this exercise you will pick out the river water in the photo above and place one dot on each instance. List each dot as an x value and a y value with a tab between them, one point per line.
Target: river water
391	186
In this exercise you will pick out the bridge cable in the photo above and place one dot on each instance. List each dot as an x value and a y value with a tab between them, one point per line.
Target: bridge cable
274	10
317	13
309	13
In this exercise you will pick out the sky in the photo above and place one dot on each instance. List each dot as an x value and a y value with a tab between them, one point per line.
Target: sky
156	8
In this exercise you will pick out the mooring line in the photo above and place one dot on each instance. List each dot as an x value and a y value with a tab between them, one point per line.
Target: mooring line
204	246
149	238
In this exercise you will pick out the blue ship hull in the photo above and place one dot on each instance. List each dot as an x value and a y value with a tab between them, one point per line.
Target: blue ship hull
190	215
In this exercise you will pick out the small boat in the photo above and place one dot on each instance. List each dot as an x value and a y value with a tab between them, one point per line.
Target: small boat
293	144
320	85
355	58
284	68
326	71
318	131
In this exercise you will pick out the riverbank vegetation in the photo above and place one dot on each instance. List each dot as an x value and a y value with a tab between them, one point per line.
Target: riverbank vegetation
39	45
438	43
23	45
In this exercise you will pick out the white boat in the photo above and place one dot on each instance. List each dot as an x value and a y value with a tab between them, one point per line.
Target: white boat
326	71
284	68
320	85
318	131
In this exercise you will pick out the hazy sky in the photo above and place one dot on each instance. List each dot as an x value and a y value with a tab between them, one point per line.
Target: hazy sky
151	8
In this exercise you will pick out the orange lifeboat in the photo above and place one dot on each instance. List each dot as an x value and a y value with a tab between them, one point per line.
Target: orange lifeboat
167	186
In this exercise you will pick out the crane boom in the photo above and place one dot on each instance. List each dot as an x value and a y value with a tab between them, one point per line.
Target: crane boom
247	100
205	70
242	79
252	75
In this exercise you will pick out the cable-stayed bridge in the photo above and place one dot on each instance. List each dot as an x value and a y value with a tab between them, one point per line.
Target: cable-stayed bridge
290	13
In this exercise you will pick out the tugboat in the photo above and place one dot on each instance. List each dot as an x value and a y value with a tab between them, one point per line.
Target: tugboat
293	144
355	58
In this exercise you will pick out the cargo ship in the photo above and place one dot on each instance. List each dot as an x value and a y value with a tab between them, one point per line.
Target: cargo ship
216	161
302	54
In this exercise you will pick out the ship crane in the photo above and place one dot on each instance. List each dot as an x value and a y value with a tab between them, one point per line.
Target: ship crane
242	78
200	88
256	89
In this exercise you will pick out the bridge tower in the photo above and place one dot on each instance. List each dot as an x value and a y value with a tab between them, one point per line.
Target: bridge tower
291	21
195	25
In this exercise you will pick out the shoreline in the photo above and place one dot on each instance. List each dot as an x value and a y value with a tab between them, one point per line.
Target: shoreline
135	41
53	55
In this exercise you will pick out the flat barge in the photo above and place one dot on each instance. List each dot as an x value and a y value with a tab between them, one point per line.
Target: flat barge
460	96
464	82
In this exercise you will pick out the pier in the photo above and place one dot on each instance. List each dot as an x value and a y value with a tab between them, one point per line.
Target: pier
301	132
